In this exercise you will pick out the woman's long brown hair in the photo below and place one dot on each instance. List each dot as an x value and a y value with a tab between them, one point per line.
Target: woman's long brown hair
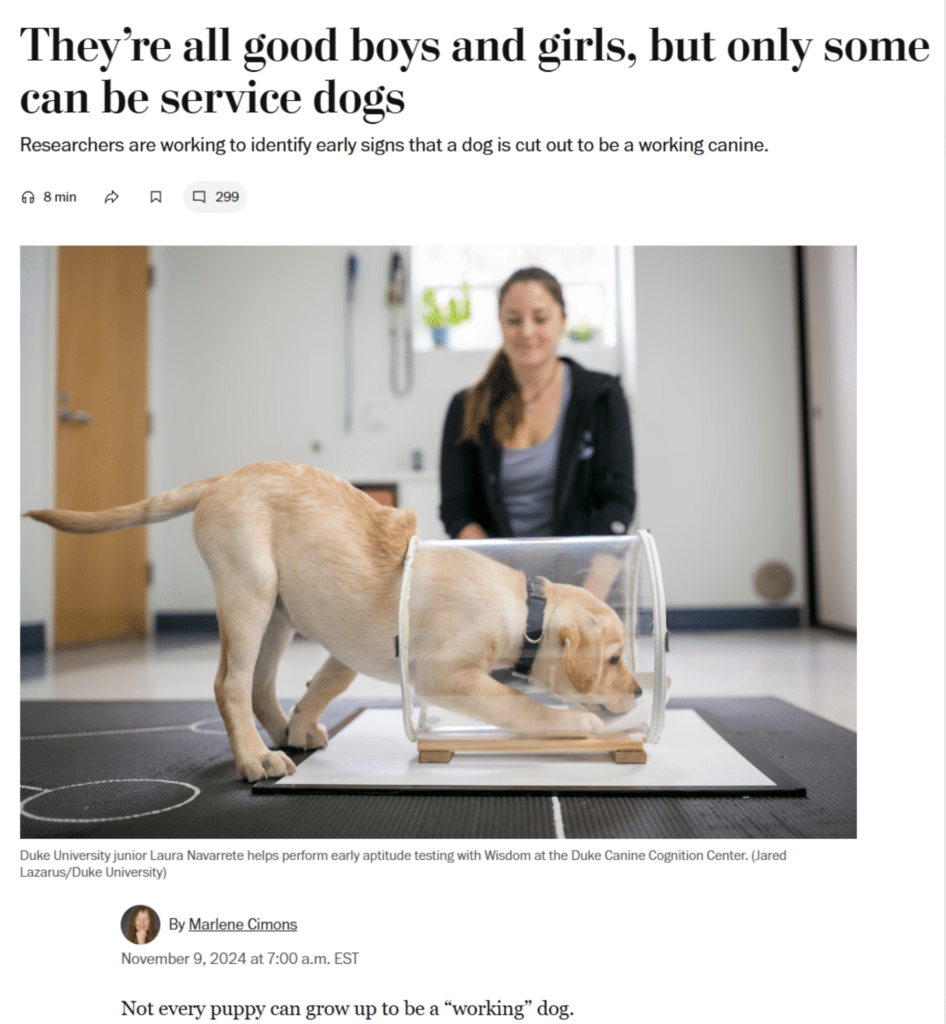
498	388
132	931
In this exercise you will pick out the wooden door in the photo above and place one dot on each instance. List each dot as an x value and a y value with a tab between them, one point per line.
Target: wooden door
101	439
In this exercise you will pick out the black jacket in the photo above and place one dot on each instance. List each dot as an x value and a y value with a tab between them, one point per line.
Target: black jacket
594	486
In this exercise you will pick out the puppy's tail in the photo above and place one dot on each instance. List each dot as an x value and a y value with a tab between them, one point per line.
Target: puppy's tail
152	510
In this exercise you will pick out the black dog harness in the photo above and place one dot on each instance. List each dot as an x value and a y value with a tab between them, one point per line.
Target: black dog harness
535	602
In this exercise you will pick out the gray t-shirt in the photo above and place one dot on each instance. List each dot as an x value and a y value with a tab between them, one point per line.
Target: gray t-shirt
527	477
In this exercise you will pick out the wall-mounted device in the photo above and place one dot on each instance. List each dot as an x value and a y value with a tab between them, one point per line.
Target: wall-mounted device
402	348
352	274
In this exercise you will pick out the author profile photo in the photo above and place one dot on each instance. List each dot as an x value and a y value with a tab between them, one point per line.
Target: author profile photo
140	925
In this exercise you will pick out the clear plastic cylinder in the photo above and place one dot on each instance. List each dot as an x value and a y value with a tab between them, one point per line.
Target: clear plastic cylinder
462	619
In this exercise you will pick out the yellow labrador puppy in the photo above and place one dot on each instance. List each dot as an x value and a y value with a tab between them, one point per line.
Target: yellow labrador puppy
294	549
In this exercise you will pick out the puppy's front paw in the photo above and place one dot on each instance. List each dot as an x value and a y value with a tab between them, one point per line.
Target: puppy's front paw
305	735
580	723
271	764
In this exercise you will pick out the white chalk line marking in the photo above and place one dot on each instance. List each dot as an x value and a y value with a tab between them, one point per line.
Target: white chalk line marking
557	818
193	727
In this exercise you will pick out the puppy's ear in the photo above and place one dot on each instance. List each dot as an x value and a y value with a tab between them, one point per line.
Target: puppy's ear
584	651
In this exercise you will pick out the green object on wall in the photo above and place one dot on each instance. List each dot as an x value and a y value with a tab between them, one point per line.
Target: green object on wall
454	313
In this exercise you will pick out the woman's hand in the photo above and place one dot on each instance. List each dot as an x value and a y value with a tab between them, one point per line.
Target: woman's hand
602	574
472	531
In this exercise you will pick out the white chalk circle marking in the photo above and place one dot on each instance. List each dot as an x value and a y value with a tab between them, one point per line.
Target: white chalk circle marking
108	782
196	727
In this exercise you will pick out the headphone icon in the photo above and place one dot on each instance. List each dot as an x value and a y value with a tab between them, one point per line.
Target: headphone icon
28	197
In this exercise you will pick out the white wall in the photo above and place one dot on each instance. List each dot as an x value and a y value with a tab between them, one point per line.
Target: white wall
246	364
716	419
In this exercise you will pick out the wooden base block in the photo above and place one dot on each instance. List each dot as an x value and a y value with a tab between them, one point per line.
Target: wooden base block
623	749
434	756
629	756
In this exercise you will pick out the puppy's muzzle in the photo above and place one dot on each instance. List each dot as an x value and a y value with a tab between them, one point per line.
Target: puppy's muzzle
615	705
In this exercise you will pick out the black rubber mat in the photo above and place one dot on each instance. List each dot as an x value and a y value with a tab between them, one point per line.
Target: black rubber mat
163	770
820	755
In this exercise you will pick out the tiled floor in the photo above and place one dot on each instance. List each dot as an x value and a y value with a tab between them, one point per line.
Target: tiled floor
813	669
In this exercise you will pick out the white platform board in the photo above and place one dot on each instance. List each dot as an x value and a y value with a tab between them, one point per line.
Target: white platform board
372	752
